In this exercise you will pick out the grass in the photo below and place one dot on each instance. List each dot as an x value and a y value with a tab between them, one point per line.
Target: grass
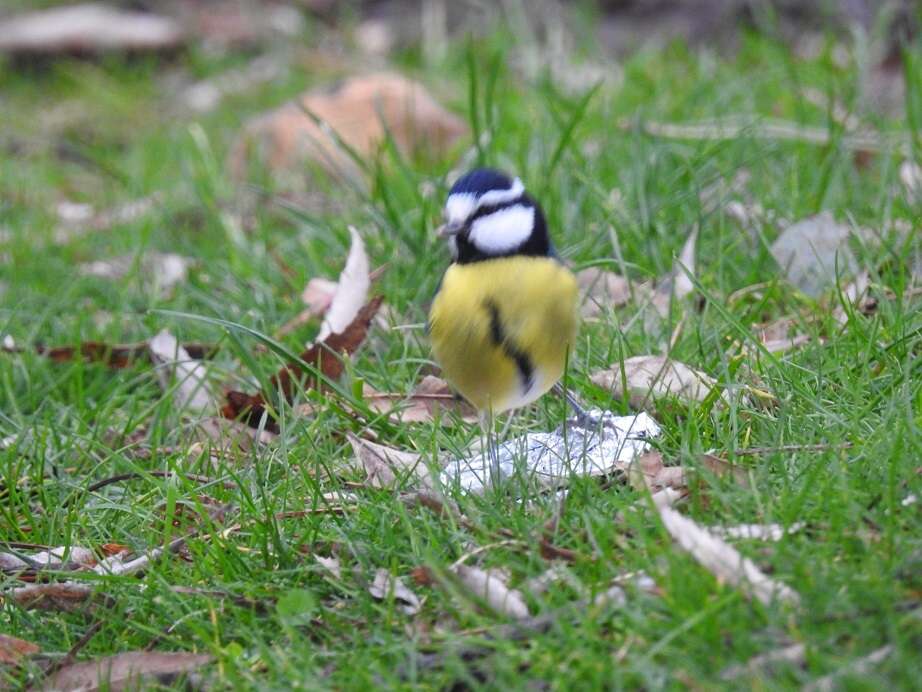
856	565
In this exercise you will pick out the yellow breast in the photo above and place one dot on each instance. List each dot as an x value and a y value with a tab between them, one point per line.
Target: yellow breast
501	328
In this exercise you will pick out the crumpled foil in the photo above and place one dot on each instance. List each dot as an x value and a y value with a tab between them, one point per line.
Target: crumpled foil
609	444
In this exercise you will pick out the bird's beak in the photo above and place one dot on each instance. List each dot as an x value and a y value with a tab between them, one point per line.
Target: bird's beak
449	229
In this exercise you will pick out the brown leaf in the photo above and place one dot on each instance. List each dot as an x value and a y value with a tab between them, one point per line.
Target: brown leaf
648	378
66	596
89	28
12	650
649	471
432	399
126	670
721	467
325	356
602	290
385	465
361	112
113	355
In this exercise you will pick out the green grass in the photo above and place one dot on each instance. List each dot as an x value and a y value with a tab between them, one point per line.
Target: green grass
856	565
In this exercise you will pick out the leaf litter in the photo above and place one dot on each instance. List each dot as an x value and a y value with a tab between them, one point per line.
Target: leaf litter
127	670
191	392
645	379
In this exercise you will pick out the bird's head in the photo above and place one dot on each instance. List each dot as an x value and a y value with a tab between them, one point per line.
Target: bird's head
489	215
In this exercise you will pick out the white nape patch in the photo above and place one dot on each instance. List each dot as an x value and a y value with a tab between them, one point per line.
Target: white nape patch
503	230
460	206
493	197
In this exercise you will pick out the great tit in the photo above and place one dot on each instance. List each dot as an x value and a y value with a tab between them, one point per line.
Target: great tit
505	314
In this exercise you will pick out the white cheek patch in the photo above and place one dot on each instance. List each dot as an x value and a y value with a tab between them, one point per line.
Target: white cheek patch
453	246
460	206
503	230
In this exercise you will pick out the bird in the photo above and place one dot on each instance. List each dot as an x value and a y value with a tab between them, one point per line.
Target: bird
505	316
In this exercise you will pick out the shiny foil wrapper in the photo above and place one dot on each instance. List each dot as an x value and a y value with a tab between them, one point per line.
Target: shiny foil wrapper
608	444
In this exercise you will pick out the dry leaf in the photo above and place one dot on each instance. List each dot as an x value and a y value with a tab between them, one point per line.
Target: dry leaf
360	111
678	284
325	356
330	564
228	435
492	589
811	251
192	391
648	471
647	378
385	465
48	559
13	650
351	290
723	560
602	290
385	583
66	596
318	294
431	400
126	670
89	28
113	355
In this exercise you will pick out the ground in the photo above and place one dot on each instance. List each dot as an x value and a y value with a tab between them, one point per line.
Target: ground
107	132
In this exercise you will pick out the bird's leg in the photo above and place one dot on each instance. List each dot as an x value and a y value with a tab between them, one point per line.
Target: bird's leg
584	419
487	425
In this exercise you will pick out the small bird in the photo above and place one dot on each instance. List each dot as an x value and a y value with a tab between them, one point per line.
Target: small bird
505	314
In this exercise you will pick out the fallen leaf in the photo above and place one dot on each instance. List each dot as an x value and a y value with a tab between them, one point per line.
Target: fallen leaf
330	564
53	558
160	270
432	400
601	290
493	590
191	392
360	112
13	650
384	584
811	251
126	670
227	435
89	28
113	355
385	465
326	356
648	471
678	284
351	290
723	560
66	596
648	378
318	294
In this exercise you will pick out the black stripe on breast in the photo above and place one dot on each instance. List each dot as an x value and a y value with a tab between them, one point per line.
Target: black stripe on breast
499	337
